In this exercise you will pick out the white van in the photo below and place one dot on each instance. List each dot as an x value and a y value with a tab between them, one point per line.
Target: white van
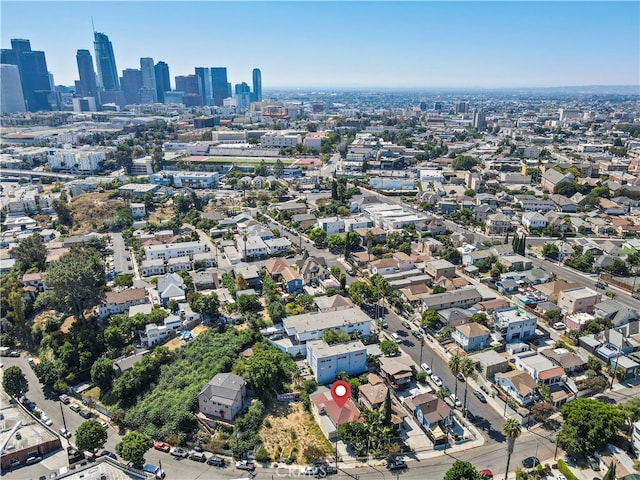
395	337
559	326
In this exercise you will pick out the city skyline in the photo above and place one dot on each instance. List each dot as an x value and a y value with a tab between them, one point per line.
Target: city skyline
358	44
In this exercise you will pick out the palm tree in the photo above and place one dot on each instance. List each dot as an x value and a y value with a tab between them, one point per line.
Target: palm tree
454	366
466	369
370	237
512	430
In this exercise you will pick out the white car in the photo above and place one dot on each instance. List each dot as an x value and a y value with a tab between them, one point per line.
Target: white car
456	400
104	424
46	420
426	368
179	452
436	380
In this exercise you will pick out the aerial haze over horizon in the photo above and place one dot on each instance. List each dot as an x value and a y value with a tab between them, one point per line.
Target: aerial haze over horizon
348	44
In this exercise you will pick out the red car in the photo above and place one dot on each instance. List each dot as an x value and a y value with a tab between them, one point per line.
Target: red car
162	446
486	472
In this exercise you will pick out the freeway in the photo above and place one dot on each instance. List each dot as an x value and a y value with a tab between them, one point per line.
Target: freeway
12	172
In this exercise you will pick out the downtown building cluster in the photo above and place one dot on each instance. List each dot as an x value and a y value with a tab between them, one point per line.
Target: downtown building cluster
27	85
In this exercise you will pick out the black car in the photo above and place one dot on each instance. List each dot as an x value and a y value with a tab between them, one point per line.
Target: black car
216	461
84	413
530	462
397	464
480	396
198	457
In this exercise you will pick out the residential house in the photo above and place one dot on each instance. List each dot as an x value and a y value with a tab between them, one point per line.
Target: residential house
612	208
373	393
333	303
171	287
507	286
570	362
581	299
118	302
396	373
489	363
331	225
497	224
515	262
440	268
304	220
539	367
432	414
533	221
452	317
551	178
138	210
330	415
563	204
462	298
379	236
313	269
518	385
174	250
617	312
471	336
550	291
384	266
326	361
34	280
223	396
252	248
251	273
278	246
514	323
414	293
152	267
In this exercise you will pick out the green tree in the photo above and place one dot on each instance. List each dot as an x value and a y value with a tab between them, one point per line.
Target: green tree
361	292
452	255
102	373
90	436
14	382
462	471
454	366
318	235
247	303
387	409
611	472
133	446
430	318
389	348
76	280
123	280
512	430
463	162
467	367
208	305
31	252
589	425
63	213
278	168
277	311
332	336
550	250
438	289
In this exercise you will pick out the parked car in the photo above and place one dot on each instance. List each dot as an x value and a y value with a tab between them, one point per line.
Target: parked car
162	446
64	399
436	380
406	324
154	470
46	420
13	353
104	424
245	465
416	333
593	463
486	472
480	396
397	464
216	461
559	326
601	285
530	462
65	433
395	337
461	378
198	457
456	401
84	413
75	407
179	452
33	458
107	453
426	368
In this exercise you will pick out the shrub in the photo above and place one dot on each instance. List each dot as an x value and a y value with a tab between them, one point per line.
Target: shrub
562	466
262	456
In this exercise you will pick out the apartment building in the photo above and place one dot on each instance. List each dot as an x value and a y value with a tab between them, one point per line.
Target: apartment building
515	323
174	250
326	361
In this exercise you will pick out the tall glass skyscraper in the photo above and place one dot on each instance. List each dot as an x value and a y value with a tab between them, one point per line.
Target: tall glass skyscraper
204	82
148	80
11	97
88	85
163	80
257	85
34	77
106	62
219	85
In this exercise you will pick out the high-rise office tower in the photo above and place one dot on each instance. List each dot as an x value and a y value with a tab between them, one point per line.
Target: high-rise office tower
34	77
131	85
87	83
150	95
189	85
462	107
204	84
106	62
219	85
11	97
256	96
163	80
437	106
479	121
243	95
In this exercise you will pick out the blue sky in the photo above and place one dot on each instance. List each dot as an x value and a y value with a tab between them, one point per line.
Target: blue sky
348	44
